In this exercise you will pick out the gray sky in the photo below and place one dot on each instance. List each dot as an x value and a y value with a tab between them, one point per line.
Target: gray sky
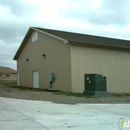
108	18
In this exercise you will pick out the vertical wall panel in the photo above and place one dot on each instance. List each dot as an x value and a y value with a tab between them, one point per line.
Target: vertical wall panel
114	64
57	60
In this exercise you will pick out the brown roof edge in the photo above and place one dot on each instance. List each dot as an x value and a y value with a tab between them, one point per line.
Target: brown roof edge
89	39
27	36
23	43
7	70
82	39
50	34
98	46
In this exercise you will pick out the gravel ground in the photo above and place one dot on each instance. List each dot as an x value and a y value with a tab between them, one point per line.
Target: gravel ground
10	92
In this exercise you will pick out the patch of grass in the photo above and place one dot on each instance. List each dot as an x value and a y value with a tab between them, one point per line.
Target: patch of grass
37	89
8	82
74	94
27	88
19	87
120	94
69	94
23	87
91	96
13	84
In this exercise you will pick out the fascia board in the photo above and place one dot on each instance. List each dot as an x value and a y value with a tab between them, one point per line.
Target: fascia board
64	40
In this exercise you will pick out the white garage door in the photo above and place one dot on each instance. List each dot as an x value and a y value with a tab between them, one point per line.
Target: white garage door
35	79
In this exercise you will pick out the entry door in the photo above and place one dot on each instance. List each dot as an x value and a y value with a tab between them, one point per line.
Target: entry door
35	79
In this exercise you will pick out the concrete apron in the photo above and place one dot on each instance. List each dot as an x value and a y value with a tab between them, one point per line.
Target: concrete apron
18	114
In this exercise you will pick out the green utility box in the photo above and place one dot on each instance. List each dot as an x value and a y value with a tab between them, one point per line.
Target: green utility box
95	85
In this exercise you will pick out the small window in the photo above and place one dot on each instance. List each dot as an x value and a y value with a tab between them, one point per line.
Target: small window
3	75
7	75
34	36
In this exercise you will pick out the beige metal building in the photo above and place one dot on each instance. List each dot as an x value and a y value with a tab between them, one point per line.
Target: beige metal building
69	56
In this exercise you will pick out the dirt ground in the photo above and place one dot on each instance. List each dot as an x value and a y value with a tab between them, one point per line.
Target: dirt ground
11	92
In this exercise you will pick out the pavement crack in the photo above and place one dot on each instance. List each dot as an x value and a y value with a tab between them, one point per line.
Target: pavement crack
25	116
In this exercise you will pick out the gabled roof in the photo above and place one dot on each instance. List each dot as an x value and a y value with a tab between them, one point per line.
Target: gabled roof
7	70
89	39
77	38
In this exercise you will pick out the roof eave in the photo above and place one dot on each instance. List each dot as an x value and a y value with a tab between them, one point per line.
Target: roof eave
28	34
22	43
64	40
100	46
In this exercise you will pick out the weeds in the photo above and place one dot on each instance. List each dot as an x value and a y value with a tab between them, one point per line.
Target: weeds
119	95
69	94
8	82
74	94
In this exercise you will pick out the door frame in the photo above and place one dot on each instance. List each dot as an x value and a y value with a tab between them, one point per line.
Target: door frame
33	78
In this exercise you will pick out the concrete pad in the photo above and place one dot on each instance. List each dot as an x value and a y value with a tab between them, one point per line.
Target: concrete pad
18	114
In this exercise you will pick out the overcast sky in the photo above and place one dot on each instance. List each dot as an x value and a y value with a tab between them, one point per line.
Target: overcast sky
109	18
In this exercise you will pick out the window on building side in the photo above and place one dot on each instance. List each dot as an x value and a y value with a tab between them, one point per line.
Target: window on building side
34	36
7	75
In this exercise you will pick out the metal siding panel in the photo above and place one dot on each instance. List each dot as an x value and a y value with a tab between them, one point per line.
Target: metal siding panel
113	64
57	61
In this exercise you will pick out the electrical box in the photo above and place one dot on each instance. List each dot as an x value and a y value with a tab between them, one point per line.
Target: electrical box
95	84
52	77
